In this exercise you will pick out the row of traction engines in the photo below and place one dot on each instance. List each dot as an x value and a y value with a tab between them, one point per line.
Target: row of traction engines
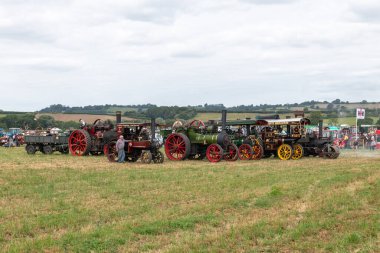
101	137
216	140
246	139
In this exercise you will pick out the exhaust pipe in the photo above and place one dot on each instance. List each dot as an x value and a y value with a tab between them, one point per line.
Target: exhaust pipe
118	117
320	129
224	120
152	129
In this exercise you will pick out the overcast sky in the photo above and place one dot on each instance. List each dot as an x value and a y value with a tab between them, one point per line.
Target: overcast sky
171	52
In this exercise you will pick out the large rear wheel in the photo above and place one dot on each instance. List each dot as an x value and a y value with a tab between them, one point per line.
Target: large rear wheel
177	147
284	152
79	143
214	153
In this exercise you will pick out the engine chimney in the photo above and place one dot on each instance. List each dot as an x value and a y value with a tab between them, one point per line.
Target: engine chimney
118	117
152	129
224	120
320	129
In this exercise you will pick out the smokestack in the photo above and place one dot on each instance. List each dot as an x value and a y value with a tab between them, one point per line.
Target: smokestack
118	117
152	129
320	129
224	119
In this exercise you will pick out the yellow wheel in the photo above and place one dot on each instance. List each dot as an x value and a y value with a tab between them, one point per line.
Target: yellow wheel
284	152
297	152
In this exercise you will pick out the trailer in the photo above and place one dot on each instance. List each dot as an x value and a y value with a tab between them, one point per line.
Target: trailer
47	144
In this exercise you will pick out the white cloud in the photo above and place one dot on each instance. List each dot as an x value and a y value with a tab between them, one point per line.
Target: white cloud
176	52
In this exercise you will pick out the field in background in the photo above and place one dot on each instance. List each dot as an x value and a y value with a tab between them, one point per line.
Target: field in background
88	118
62	203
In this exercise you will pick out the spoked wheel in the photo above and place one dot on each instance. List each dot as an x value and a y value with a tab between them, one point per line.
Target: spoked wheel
177	147
284	152
48	150
214	153
112	154
158	157
146	157
30	149
297	152
258	151
245	152
232	153
79	143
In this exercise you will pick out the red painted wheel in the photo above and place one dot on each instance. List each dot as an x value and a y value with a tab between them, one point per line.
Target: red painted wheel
245	152
232	153
197	124
177	147
79	143
214	153
258	151
110	151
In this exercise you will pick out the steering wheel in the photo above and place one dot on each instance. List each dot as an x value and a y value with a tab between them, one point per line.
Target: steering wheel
197	124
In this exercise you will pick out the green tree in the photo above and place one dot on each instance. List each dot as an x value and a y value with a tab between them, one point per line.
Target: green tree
315	117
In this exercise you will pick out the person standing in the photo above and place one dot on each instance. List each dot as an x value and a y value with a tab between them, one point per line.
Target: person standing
120	144
373	143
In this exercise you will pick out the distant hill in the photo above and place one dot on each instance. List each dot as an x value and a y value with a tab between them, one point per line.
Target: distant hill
336	106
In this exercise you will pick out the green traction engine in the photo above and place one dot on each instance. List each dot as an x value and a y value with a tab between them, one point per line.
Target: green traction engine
196	141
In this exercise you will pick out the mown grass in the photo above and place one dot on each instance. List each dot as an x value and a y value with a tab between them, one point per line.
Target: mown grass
62	203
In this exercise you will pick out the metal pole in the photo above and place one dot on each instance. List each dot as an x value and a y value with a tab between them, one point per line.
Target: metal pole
356	137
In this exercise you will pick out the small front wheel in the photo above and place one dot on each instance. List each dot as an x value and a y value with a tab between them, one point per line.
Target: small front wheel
298	152
146	157
159	157
214	153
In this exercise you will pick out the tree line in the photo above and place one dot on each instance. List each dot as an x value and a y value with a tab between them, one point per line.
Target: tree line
29	121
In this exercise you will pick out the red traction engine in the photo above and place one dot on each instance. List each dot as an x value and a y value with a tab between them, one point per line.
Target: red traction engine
140	144
90	139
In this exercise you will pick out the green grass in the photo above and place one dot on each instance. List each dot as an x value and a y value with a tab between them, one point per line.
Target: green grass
62	203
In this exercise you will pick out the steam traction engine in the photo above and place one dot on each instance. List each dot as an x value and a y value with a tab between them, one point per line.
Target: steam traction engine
241	133
90	139
139	143
317	144
196	141
281	137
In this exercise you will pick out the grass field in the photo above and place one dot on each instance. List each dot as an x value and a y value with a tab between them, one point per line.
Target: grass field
61	203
